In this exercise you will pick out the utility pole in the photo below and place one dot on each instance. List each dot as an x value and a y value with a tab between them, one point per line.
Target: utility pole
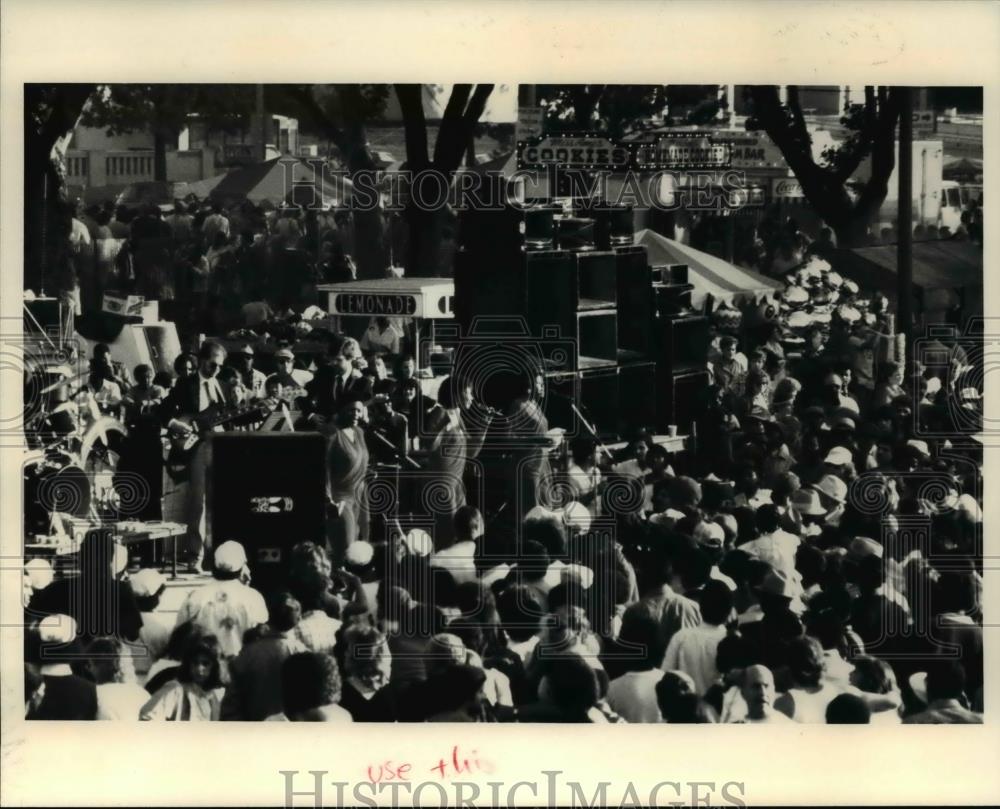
904	248
262	122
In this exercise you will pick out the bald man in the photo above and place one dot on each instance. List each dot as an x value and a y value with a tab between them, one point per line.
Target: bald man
758	694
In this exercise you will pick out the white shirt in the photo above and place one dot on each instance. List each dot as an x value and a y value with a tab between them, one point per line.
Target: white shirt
381	342
121	701
459	560
79	236
692	650
777	549
209	392
524	648
633	696
227	609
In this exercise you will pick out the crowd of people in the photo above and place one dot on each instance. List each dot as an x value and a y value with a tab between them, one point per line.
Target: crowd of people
205	260
816	557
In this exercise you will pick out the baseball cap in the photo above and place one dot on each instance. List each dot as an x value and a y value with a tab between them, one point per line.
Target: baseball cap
838	456
709	534
284	354
247	350
230	557
147	582
919	446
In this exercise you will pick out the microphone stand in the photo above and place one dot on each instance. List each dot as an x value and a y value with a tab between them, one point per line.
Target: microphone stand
413	464
592	431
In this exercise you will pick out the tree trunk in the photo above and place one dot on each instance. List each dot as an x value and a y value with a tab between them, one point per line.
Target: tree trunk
424	255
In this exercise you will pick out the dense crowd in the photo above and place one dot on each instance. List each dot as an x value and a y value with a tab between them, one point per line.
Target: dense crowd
816	558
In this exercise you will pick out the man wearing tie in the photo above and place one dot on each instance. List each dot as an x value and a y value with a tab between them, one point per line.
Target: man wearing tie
336	384
191	396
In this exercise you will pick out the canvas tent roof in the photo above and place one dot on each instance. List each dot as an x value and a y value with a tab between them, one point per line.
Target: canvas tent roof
710	275
939	264
280	179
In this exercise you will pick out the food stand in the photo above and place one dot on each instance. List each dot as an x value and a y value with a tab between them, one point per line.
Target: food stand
419	302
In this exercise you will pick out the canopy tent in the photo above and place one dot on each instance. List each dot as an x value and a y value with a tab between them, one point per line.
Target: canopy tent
938	264
963	169
946	273
202	188
710	275
284	179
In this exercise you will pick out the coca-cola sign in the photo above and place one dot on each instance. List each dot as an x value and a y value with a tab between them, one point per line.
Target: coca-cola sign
787	188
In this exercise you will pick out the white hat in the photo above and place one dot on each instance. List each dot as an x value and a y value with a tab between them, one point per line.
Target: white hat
919	446
798	320
57	629
848	313
580	574
576	517
147	582
230	557
851	286
796	294
861	547
359	553
40	573
834	279
418	542
709	534
833	487
838	456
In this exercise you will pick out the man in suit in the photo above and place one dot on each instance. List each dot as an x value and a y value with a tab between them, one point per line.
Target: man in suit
191	396
336	384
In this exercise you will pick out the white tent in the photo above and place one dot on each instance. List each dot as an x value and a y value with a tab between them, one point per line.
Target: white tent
709	274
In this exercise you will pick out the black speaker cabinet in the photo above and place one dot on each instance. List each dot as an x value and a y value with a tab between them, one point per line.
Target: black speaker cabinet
680	395
269	494
613	223
635	301
637	396
682	342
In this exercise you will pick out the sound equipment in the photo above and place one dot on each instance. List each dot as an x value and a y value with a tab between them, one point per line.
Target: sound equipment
680	396
613	223
635	302
682	342
268	492
574	233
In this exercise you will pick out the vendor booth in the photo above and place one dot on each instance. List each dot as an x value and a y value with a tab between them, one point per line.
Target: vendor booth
417	304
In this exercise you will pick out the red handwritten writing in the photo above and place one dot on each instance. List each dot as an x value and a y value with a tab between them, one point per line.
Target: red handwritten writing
457	762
